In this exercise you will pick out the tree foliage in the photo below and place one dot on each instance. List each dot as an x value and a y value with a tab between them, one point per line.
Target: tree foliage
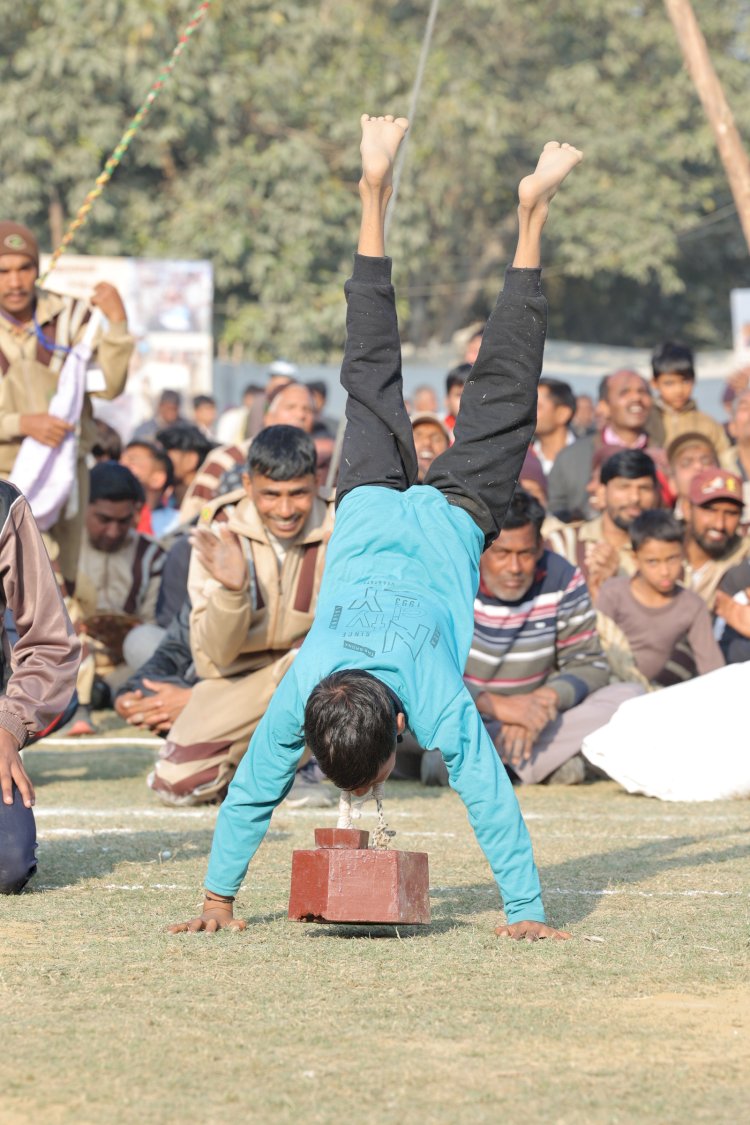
249	158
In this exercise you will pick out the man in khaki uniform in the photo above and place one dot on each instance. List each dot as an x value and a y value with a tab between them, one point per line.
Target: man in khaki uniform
36	331
255	572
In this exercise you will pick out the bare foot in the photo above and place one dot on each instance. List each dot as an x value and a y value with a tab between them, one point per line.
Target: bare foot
535	191
381	137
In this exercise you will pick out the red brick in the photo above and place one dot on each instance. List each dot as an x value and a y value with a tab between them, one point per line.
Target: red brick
341	838
360	886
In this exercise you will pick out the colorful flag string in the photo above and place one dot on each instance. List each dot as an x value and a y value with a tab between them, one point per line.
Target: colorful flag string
124	143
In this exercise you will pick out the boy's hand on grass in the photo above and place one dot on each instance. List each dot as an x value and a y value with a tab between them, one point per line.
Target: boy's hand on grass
11	770
216	915
531	931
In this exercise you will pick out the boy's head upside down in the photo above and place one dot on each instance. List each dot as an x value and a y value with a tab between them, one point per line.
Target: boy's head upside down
352	722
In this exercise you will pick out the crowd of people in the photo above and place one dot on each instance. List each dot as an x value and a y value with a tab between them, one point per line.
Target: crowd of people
190	556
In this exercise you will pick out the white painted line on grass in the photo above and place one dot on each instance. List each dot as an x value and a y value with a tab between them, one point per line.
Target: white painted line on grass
92	742
114	814
644	894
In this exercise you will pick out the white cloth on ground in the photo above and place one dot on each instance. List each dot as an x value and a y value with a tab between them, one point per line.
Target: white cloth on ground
685	743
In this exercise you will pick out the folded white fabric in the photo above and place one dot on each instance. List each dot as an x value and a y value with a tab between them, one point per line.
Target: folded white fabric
47	476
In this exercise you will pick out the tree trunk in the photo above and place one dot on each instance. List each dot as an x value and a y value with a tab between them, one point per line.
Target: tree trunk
701	70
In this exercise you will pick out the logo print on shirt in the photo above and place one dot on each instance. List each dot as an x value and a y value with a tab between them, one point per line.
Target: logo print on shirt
366	615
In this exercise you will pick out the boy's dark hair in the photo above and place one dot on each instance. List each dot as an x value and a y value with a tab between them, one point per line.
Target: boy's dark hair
174	398
457	377
561	393
109	480
657	523
673	359
524	509
282	453
203	400
350	727
186	439
632	464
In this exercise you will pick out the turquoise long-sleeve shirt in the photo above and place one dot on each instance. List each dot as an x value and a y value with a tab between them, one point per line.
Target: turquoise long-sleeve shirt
396	600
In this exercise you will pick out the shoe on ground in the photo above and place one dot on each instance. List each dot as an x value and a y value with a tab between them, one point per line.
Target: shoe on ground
79	725
309	791
432	769
572	772
101	696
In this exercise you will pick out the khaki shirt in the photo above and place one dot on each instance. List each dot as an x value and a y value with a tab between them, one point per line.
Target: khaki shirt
704	580
233	632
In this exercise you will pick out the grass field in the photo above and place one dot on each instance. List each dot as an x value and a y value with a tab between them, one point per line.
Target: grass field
644	1016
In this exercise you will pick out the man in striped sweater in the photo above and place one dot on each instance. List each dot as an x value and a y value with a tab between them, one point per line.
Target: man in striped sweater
536	668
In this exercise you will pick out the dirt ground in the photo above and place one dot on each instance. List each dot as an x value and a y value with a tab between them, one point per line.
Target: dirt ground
643	1017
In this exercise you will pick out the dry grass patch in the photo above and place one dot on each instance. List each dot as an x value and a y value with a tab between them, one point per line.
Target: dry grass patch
642	1017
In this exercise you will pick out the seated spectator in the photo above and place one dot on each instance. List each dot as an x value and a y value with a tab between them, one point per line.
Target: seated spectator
532	479
108	443
188	448
424	400
668	628
736	383
291	404
737	458
119	572
584	419
167	414
472	346
455	382
675	411
688	455
254	578
555	407
152	467
712	512
536	669
232	426
323	426
732	608
431	438
204	414
601	547
628	404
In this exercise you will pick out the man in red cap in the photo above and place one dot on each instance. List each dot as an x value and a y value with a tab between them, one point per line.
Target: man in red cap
712	514
37	330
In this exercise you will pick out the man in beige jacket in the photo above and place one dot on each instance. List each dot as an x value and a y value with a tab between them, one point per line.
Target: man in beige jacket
37	330
255	572
38	677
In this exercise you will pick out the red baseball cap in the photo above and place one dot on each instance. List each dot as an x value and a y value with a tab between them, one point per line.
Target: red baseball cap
715	484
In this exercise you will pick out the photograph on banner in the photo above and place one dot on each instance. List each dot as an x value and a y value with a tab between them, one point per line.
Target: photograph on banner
169	306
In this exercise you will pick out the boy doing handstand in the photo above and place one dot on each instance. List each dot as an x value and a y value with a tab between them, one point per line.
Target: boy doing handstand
394	620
